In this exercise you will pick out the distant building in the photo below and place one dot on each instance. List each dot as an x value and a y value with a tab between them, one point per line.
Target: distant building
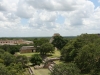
27	49
55	34
14	42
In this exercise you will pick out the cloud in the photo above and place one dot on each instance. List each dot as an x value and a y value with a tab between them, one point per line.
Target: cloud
78	16
98	0
43	19
24	10
3	6
53	5
2	17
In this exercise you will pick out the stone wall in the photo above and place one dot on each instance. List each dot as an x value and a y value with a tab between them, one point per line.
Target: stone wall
14	42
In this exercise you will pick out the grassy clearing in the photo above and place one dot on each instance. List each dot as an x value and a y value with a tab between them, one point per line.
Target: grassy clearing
26	72
27	54
55	54
58	62
42	72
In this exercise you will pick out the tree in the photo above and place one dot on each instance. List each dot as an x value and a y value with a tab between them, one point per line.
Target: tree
39	42
8	65
46	48
59	42
84	51
1	51
22	59
10	48
16	69
69	51
3	70
36	59
88	59
7	58
65	69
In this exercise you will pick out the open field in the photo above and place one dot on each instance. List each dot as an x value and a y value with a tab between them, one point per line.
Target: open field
58	62
41	72
37	71
55	54
27	54
26	72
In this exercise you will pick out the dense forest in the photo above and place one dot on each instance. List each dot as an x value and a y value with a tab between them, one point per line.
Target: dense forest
82	53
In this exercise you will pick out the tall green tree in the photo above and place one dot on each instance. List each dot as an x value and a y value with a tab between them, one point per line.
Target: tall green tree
8	58
22	59
36	59
84	51
40	41
3	70
88	59
46	48
16	69
70	50
59	42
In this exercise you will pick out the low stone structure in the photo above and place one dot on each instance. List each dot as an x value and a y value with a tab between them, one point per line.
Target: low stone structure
27	49
14	42
49	61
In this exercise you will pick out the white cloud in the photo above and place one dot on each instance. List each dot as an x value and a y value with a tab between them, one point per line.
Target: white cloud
98	0
80	16
2	17
43	19
24	10
53	5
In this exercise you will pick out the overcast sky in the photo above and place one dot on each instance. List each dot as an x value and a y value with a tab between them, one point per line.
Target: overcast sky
25	18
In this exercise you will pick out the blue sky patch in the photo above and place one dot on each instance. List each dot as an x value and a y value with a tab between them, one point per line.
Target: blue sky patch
96	3
60	19
24	21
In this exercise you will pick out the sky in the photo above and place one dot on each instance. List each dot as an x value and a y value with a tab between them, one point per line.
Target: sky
31	18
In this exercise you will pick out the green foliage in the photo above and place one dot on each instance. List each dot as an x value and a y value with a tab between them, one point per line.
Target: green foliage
1	61
84	51
59	42
69	52
36	59
88	59
22	59
46	48
15	69
11	48
39	42
7	58
3	70
65	69
1	51
10	67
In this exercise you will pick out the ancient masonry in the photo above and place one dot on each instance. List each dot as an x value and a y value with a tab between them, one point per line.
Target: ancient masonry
27	49
14	42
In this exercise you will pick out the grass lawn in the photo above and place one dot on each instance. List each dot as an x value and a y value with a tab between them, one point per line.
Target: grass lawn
26	72
55	54
42	72
58	62
26	54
